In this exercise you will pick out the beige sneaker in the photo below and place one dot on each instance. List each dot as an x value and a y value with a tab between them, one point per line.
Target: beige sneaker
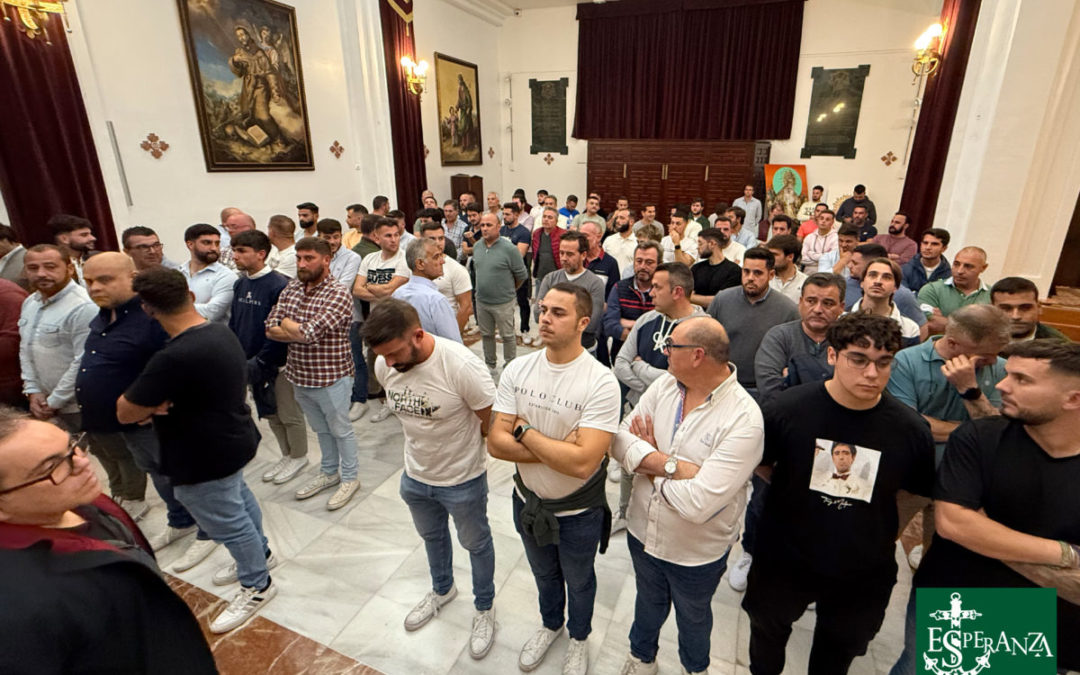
344	493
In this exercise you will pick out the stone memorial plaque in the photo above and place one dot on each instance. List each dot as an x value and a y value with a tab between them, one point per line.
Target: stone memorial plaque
834	111
548	116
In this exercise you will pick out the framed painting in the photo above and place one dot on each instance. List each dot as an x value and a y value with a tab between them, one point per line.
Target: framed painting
458	97
244	60
785	184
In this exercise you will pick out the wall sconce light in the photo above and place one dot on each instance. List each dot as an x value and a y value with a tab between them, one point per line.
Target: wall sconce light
927	56
415	74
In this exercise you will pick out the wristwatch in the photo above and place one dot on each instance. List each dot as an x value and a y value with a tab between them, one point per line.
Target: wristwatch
520	431
670	466
678	247
972	394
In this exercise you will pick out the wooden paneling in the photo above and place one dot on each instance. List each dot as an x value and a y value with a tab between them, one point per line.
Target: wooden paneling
669	172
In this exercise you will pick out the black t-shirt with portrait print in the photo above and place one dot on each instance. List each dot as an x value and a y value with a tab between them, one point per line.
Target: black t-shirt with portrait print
208	432
820	518
993	464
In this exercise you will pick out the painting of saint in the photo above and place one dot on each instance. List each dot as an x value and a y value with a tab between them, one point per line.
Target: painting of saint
244	61
457	94
786	187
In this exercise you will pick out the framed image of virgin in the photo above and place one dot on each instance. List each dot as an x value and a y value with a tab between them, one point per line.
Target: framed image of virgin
244	60
458	98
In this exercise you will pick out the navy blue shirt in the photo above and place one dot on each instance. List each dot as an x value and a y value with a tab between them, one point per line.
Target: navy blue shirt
519	234
605	267
252	301
114	355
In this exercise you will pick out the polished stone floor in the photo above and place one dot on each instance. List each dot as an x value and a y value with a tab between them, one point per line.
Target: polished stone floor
348	578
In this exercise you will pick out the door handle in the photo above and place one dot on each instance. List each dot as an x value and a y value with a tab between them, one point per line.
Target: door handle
663	173
706	173
624	170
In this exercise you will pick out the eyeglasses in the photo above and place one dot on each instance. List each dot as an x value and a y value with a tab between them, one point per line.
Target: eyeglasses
143	248
60	470
669	344
861	361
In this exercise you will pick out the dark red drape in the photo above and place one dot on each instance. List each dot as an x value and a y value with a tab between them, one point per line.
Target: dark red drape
687	69
48	163
406	130
934	131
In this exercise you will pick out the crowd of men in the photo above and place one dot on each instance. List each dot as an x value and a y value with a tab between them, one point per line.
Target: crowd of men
807	386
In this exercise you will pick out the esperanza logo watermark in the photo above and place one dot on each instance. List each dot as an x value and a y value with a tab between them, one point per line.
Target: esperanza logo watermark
964	631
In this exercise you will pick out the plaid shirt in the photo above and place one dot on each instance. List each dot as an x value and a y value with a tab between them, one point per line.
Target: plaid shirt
324	315
456	232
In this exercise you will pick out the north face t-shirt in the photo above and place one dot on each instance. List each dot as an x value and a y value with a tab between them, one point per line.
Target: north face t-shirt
831	507
434	401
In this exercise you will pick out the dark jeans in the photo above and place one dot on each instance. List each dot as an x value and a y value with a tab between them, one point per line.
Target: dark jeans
523	293
146	451
127	480
849	615
431	507
360	384
661	584
567	566
753	511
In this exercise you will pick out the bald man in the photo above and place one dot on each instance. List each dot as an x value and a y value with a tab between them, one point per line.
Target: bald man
939	299
700	474
225	213
235	223
122	339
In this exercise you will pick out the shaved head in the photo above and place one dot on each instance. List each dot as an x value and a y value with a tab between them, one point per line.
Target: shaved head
111	261
710	334
238	222
973	250
108	278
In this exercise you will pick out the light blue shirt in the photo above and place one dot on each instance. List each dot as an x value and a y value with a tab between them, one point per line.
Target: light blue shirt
828	259
753	212
52	333
436	315
344	267
747	235
213	289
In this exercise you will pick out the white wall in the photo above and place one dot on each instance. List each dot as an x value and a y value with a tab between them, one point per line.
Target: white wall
448	30
540	44
133	71
847	34
3	212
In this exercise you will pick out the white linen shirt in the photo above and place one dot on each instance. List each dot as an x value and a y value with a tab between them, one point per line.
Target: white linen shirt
695	521
52	333
213	290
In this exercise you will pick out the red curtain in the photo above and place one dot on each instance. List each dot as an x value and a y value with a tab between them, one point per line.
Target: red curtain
406	131
926	164
48	163
687	69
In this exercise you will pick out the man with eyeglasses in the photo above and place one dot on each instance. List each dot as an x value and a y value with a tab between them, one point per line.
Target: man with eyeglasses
142	245
80	585
811	537
691	444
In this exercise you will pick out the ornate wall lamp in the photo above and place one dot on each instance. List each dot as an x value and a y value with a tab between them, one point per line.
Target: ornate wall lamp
415	74
927	56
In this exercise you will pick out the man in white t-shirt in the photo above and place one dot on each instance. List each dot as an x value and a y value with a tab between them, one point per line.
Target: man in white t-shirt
441	393
556	412
380	274
454	283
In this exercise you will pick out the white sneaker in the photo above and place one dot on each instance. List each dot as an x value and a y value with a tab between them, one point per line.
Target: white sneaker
321	481
914	559
227	575
482	636
614	472
635	666
428	608
357	410
136	508
245	604
576	661
292	468
738	574
384	412
195	554
273	471
534	651
343	494
168	536
618	523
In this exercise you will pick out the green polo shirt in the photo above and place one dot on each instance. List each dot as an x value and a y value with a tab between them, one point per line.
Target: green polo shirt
497	268
948	298
917	381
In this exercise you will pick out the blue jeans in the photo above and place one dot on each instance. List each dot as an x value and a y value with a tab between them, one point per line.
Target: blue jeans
327	412
227	511
753	512
563	567
905	665
661	584
143	443
356	343
430	506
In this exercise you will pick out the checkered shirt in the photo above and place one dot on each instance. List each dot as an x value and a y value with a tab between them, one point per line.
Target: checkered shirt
324	314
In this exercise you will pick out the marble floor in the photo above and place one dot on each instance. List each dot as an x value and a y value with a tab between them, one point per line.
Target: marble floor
348	578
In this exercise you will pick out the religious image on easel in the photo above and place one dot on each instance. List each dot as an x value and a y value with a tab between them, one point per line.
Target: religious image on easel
244	61
785	186
458	97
